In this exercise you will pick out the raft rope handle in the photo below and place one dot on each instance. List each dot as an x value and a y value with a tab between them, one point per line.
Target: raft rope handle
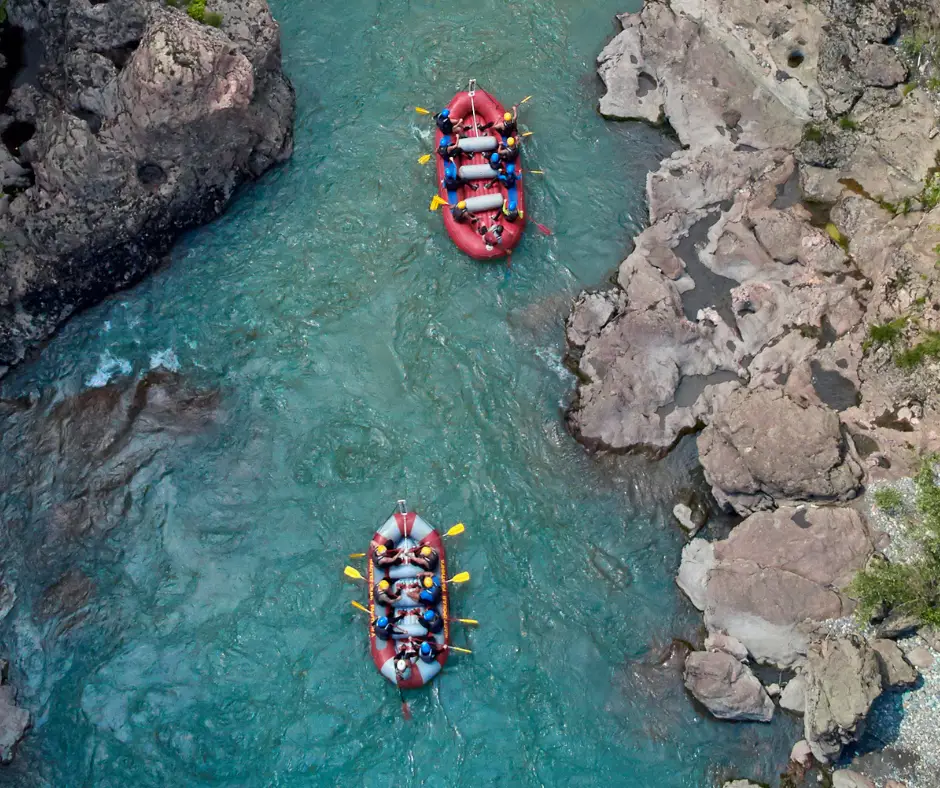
471	90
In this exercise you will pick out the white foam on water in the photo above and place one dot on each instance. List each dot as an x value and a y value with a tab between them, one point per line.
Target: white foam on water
108	367
166	359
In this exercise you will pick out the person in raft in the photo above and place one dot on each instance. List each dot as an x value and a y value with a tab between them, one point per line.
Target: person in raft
461	214
511	212
429	591
431	620
507	126
453	181
446	123
448	148
386	593
507	178
492	236
429	651
425	557
386	555
385	626
508	151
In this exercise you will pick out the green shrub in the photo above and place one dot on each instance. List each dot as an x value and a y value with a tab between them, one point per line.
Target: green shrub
911	588
197	9
929	348
847	123
888	500
836	236
886	333
813	133
930	197
908	88
214	19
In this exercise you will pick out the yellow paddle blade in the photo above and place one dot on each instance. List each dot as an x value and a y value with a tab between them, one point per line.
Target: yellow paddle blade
437	202
468	621
524	100
457	529
461	650
535	172
527	133
423	111
350	572
425	158
356	605
463	577
357	555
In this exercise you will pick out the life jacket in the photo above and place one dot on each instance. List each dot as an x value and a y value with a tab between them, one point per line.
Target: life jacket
428	658
446	125
511	216
433	626
430	596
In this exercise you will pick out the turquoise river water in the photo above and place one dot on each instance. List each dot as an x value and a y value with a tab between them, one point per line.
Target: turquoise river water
361	358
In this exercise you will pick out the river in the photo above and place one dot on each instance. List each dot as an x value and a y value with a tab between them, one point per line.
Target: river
360	358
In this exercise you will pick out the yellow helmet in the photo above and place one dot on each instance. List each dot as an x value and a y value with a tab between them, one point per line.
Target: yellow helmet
380	549
511	141
383	585
507	116
425	550
428	582
462	204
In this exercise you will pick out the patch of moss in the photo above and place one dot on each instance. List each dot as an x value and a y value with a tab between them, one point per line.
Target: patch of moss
846	122
837	236
908	88
214	19
197	9
813	133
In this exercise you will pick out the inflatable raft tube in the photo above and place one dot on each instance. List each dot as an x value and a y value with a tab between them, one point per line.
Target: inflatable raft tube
474	172
466	235
408	532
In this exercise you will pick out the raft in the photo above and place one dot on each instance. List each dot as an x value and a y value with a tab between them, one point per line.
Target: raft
476	146
408	532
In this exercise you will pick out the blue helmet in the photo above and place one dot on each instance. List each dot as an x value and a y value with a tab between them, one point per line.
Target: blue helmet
426	649
383	622
429	615
450	169
511	168
494	159
445	140
513	205
445	113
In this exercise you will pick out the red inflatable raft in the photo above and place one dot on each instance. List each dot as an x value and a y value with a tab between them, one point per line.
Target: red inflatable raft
485	109
407	533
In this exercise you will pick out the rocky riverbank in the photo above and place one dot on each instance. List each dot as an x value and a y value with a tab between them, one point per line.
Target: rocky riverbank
784	303
129	121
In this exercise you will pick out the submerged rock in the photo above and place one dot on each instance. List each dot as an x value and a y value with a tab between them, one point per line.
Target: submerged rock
14	723
727	688
143	122
846	778
843	680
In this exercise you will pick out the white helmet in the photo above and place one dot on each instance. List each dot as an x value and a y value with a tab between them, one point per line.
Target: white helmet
401	666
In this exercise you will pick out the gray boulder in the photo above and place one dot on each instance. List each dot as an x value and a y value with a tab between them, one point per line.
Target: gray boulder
14	723
748	457
895	670
726	688
846	778
843	679
776	577
131	147
719	641
793	697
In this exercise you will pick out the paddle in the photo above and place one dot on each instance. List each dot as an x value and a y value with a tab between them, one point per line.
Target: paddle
406	712
423	111
455	529
437	202
424	159
354	574
523	101
527	133
461	650
472	621
463	577
356	605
